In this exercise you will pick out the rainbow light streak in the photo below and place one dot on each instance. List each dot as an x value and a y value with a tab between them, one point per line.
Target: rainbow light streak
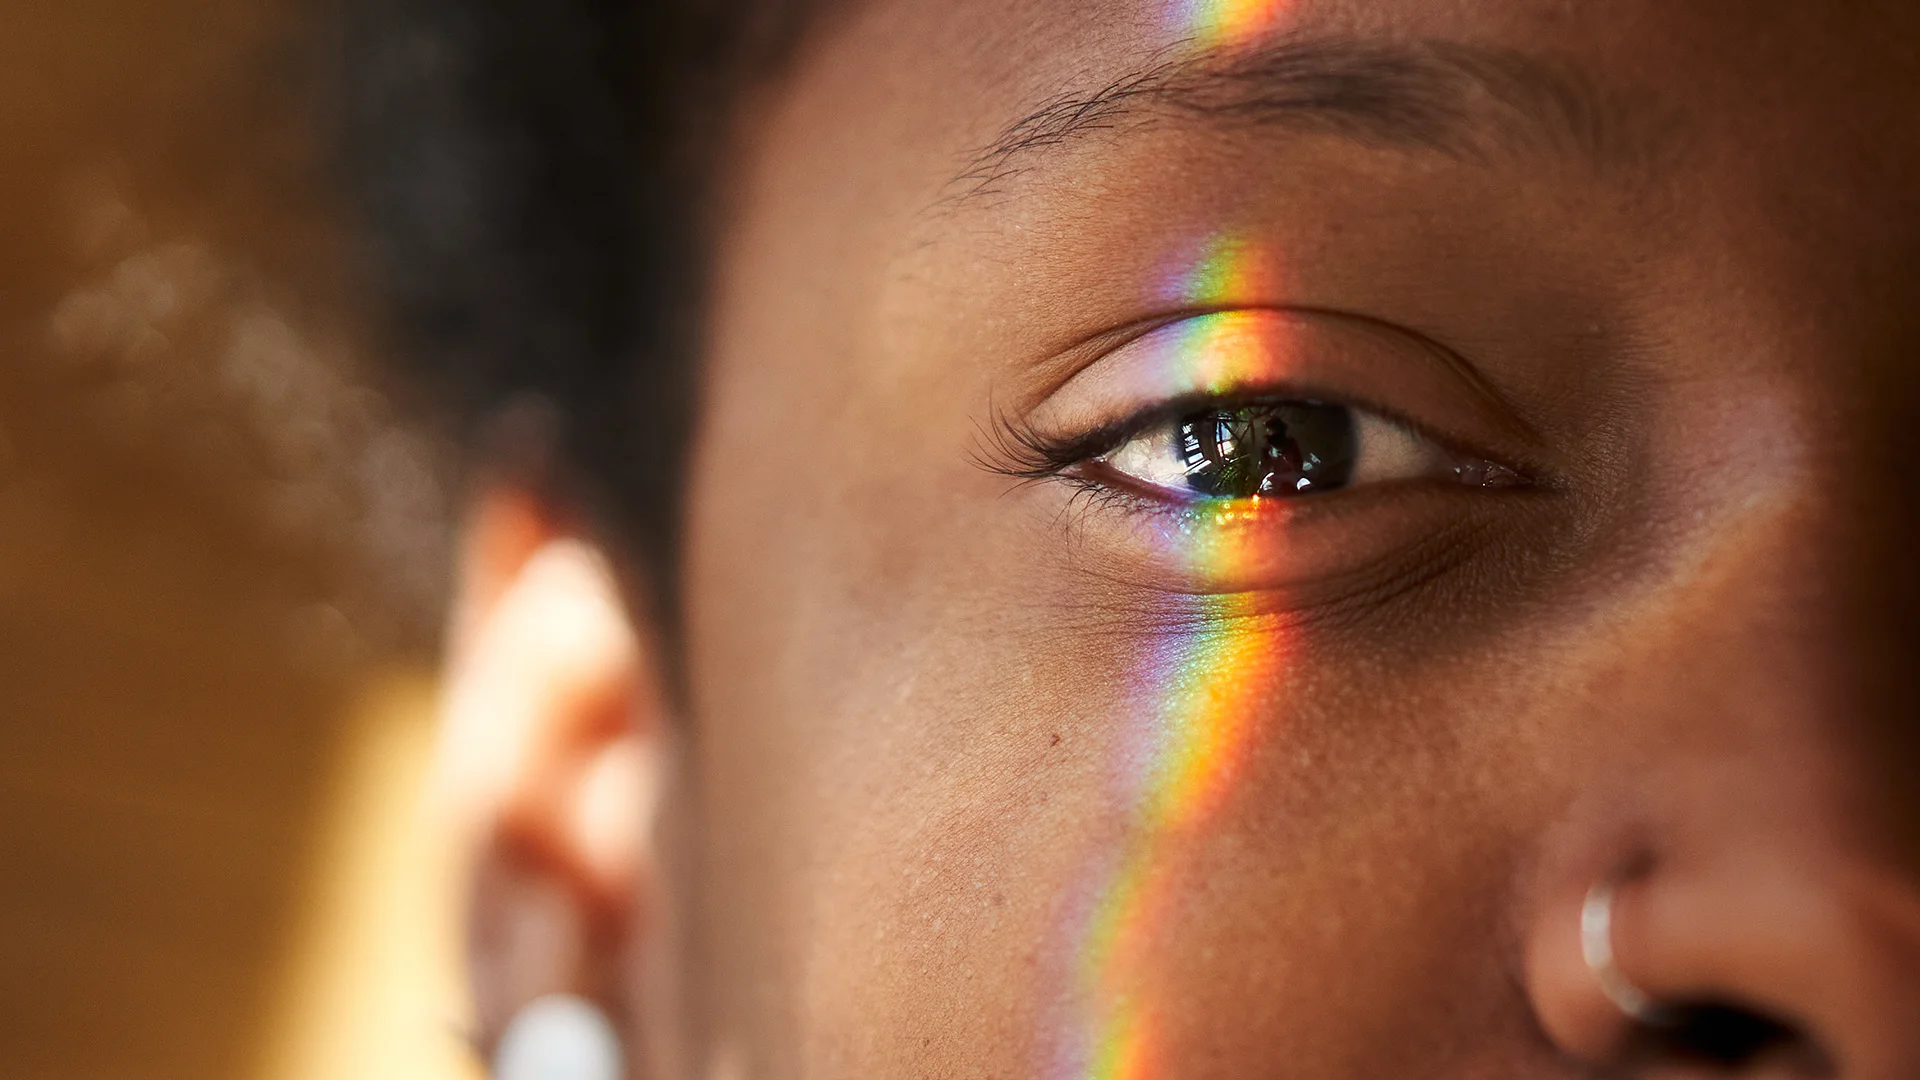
1214	23
1228	268
1211	682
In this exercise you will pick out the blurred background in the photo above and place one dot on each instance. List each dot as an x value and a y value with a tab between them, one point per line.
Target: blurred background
222	548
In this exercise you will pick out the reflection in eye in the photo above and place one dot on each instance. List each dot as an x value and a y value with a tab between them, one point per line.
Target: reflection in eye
1278	450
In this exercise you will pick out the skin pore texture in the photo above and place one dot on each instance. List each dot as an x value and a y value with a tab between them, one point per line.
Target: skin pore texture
994	764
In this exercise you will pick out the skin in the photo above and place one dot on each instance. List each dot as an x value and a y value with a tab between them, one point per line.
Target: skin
908	754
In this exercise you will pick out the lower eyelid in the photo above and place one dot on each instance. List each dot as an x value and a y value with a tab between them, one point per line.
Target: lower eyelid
1299	553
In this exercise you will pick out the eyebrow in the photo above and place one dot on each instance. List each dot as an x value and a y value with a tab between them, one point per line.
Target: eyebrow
1460	100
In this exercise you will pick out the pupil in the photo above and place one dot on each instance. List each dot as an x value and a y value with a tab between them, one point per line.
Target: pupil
1275	450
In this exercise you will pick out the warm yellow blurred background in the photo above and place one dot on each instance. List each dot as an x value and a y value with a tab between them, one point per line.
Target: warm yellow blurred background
221	549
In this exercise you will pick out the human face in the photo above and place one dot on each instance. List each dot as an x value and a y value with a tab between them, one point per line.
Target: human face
1053	717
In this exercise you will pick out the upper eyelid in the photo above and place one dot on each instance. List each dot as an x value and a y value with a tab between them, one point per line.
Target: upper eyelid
1459	410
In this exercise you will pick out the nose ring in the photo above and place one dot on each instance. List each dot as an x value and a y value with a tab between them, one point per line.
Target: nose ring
1596	948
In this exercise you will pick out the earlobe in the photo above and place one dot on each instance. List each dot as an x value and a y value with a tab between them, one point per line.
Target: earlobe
546	771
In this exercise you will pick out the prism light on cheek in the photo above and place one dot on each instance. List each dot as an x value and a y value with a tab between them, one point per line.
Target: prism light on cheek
1204	690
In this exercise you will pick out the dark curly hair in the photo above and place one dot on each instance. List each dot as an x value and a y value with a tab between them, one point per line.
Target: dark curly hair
533	178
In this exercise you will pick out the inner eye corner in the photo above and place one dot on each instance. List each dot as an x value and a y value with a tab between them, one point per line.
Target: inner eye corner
1490	474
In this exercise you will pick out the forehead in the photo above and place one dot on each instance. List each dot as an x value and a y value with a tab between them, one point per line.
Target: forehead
903	94
918	149
967	56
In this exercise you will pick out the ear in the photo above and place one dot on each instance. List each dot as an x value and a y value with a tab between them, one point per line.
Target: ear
553	721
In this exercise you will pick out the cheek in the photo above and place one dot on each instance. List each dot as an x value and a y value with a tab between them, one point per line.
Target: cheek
894	751
972	808
868	697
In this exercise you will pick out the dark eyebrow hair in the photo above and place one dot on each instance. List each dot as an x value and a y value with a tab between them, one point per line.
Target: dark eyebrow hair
1445	97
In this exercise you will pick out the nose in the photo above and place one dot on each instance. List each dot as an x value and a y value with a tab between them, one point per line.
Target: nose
1735	888
1762	948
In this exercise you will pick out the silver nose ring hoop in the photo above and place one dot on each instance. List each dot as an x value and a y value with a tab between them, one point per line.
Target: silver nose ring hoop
1596	948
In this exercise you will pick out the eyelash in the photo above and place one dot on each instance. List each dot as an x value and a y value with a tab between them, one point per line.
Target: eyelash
1012	448
1016	449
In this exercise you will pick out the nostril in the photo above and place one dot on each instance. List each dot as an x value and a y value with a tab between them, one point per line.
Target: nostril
1734	1040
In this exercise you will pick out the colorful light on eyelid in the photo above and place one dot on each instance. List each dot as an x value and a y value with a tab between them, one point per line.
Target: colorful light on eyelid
1211	23
1208	686
1208	352
1213	354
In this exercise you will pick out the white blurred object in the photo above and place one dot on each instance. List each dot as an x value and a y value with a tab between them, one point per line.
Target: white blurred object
558	1037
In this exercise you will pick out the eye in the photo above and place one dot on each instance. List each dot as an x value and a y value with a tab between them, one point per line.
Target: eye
1284	449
